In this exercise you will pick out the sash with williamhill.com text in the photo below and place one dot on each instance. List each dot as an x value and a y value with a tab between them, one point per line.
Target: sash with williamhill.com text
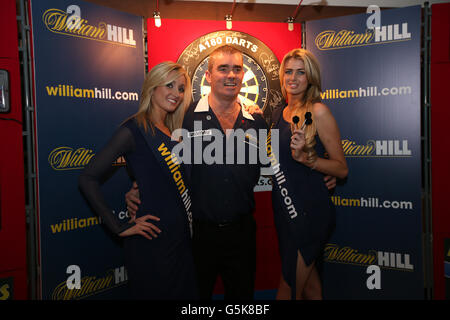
295	213
308	211
173	170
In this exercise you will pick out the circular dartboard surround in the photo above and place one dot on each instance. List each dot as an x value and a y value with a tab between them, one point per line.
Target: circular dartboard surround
261	83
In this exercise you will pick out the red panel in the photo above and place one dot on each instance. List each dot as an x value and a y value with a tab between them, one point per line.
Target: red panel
440	27
268	262
438	264
263	209
12	190
12	201
8	30
168	41
440	113
13	285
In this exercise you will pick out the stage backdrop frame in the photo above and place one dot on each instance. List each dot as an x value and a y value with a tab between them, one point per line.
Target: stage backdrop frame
376	249
89	68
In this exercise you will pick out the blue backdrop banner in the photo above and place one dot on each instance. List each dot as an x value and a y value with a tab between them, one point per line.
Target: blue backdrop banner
371	82
88	69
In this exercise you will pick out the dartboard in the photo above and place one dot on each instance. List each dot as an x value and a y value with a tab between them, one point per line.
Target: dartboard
261	83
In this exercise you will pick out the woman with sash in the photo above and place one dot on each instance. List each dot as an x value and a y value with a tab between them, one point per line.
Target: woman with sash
157	243
309	148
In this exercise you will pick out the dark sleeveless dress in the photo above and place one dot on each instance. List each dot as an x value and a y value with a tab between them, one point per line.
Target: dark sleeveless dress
308	227
161	268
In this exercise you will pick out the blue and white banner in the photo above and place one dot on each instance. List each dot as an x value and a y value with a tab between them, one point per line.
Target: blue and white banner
371	82
89	70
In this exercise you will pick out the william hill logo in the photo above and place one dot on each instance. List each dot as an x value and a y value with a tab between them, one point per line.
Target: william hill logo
61	22
346	255
377	149
66	158
91	285
330	39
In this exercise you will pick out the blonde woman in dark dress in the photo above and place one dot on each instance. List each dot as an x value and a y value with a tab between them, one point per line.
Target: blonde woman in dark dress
309	149
158	253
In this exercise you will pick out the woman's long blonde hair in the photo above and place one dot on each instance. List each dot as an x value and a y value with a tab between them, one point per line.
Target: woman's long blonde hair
312	95
159	76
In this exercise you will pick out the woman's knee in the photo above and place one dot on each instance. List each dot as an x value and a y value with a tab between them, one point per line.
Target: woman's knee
284	290
313	287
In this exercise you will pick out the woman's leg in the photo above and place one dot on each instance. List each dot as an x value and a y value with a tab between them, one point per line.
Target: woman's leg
302	275
313	286
308	285
284	291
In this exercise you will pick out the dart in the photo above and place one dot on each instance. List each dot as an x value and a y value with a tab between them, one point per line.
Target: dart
295	120
307	121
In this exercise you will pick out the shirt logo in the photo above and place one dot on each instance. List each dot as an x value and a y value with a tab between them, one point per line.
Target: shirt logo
199	133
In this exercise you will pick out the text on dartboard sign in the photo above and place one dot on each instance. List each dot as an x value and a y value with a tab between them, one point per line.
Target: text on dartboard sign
227	40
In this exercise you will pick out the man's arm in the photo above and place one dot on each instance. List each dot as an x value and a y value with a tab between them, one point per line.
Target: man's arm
132	200
330	182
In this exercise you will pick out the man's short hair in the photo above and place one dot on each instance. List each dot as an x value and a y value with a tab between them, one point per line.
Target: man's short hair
225	49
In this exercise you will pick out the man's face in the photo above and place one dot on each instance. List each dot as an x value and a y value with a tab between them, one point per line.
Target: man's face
226	74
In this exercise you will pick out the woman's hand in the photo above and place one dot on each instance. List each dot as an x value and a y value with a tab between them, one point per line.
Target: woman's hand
143	228
297	143
330	182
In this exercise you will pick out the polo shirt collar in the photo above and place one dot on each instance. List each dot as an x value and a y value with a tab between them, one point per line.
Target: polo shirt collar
203	106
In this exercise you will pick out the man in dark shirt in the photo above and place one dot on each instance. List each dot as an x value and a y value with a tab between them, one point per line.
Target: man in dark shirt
224	238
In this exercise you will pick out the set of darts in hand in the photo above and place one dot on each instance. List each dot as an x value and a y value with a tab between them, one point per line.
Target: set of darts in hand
308	121
296	137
